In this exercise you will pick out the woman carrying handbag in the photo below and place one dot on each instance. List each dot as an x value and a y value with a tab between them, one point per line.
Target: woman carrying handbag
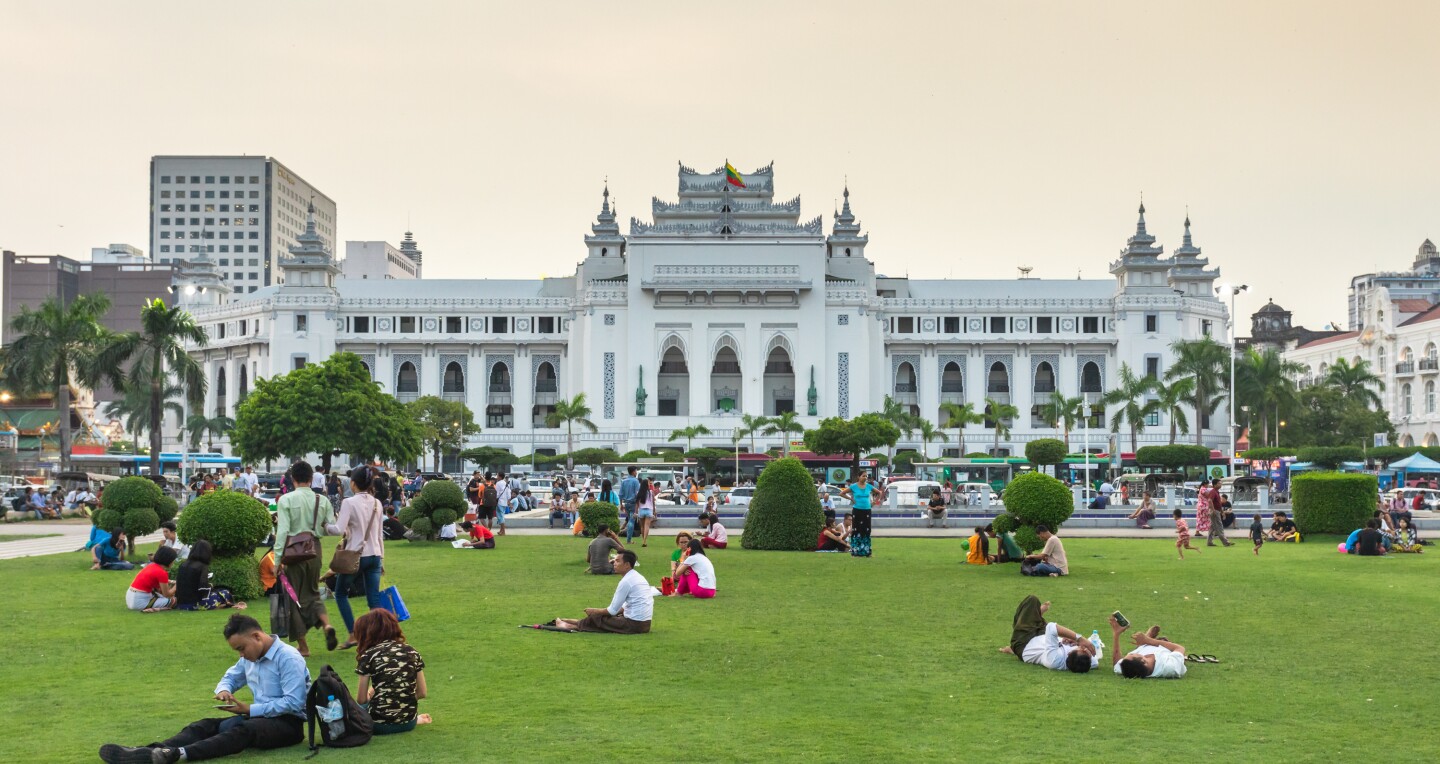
361	554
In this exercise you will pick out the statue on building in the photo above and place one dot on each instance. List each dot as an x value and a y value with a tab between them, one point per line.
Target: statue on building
812	395
640	395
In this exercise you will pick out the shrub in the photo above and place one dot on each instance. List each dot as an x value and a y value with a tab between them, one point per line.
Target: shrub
128	496
1026	538
1045	451
240	573
977	455
1379	454
1332	502
595	513
1037	499
140	521
1172	457
232	522
167	508
1005	523
785	511
1267	453
440	502
1331	456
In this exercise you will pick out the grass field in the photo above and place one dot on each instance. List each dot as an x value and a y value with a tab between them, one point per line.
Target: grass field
801	656
24	536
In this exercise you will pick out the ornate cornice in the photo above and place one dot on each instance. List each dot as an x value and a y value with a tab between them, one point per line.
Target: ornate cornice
732	227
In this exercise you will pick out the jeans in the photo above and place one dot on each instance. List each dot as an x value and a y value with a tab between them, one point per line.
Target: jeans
121	565
213	738
1045	569
370	573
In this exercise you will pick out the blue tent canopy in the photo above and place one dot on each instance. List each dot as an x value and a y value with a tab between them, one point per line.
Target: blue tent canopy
1416	463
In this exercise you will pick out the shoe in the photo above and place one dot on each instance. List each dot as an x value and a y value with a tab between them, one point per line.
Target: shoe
111	753
332	640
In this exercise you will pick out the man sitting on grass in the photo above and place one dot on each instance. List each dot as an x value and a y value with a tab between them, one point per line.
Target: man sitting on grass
1048	644
275	718
1283	529
630	610
597	555
1153	657
1051	561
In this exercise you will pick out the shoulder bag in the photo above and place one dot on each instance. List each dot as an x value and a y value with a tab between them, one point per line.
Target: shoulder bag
347	561
303	546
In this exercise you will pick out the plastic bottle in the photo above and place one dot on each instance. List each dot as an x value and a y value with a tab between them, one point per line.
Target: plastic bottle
334	717
1095	639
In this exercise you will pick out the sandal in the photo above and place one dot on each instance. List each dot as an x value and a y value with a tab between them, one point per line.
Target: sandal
331	638
1192	658
1209	659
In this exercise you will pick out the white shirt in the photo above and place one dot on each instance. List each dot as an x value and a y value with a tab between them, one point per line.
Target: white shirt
1047	650
718	533
704	570
502	492
182	550
447	532
317	482
1168	664
633	596
1106	489
247	482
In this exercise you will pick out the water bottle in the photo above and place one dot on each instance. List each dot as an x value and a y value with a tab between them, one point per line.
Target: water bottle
1095	639
334	717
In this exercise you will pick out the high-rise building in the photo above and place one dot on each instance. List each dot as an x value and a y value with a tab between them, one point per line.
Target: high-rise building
243	211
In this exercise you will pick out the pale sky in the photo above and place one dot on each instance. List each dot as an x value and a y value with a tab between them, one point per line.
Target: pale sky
1304	136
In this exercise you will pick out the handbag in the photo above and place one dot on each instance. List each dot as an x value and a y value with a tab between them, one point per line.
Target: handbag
667	586
303	546
347	561
390	600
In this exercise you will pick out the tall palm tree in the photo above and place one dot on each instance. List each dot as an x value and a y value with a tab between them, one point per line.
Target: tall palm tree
959	416
929	432
1355	381
689	434
133	409
749	425
1131	395
58	347
1203	360
199	425
1168	401
157	352
1062	413
784	424
1266	383
571	412
998	416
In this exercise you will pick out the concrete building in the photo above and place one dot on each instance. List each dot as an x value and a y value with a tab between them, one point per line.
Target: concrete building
377	260
726	302
243	211
119	254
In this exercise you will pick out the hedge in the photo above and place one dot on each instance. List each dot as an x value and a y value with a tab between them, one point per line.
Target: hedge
1331	456
1035	499
1267	453
240	573
440	503
593	514
1172	457
1332	502
785	511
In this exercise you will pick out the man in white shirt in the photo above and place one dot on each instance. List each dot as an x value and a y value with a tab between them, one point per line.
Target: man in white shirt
247	482
630	609
1152	658
1051	645
317	482
503	498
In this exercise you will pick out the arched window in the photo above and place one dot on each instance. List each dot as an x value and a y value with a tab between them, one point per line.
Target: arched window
1090	378
220	409
951	379
545	381
1405	399
1044	378
1429	397
500	378
905	379
454	380
998	380
1380	360
1430	353
244	382
408	380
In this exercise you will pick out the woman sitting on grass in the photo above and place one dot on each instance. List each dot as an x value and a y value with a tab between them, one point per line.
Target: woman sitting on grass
682	548
716	537
110	554
192	583
392	674
696	574
832	536
151	589
1407	540
979	548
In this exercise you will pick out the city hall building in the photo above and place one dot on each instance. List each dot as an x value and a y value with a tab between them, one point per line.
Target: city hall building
727	301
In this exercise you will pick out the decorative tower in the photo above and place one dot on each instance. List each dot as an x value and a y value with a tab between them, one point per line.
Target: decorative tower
198	281
410	249
606	247
1188	272
845	247
310	264
1140	268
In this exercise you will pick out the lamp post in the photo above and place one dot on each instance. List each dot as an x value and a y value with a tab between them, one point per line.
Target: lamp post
1230	402
1277	433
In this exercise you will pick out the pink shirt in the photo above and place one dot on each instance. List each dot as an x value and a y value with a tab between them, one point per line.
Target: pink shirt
718	533
1181	528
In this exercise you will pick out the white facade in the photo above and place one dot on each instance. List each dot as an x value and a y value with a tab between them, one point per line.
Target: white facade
727	303
244	211
119	254
379	261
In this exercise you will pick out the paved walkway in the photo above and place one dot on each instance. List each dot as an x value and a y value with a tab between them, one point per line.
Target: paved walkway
72	535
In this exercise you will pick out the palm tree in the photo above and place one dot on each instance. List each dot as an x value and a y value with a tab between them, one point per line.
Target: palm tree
689	433
749	425
58	347
929	432
571	412
1131	394
1168	400
784	424
899	415
998	416
1204	360
1266	382
1355	381
959	416
199	425
1062	413
133	409
155	353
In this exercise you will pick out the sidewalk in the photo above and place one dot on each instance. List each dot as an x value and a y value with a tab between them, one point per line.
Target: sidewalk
72	536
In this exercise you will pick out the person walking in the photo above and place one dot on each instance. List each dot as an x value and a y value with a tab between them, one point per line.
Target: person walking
645	510
629	494
299	512
361	523
1217	516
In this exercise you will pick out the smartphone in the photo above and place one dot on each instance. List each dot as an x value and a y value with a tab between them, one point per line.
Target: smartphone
1121	619
226	707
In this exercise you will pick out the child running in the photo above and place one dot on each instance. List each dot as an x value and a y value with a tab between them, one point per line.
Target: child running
1182	536
1257	533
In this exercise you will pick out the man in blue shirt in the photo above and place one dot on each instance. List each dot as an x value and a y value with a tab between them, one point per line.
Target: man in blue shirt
278	680
629	491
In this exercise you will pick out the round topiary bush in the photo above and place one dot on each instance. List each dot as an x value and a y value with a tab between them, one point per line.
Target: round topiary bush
440	503
1037	499
240	573
1004	523
131	504
232	522
1332	502
1045	451
785	511
167	508
593	514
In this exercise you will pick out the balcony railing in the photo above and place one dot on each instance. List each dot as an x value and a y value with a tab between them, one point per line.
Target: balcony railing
671	367
725	367
905	387
1429	364
1405	367
456	396
499	387
546	386
1044	387
952	387
407	397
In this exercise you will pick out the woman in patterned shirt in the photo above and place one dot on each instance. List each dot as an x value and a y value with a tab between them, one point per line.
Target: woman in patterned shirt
392	674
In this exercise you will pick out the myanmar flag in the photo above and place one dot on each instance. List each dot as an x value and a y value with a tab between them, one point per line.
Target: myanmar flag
732	176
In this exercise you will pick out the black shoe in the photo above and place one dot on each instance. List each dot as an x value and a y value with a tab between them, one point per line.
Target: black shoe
332	640
111	753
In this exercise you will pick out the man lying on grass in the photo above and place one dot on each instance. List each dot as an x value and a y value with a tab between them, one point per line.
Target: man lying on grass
630	610
1048	644
1153	658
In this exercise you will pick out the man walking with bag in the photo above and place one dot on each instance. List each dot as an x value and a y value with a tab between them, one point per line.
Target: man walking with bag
300	519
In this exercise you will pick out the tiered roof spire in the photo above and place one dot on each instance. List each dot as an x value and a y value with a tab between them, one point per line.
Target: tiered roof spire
410	249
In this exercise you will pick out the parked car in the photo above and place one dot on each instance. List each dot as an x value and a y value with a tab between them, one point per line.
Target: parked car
969	493
739	497
912	493
1429	496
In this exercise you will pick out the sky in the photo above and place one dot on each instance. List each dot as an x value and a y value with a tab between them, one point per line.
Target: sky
976	137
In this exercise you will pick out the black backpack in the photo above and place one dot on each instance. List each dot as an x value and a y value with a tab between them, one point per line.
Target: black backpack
491	498
358	725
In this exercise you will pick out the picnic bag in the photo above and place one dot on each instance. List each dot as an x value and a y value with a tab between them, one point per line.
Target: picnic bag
347	561
303	546
390	600
667	586
358	725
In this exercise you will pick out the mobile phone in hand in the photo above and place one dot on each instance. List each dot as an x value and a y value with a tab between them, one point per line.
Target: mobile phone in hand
1121	619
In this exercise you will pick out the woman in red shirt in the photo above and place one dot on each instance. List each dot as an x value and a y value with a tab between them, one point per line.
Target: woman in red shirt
151	590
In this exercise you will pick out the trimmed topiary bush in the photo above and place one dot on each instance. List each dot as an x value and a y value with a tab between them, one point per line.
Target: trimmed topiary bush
1037	499
1004	523
1045	451
240	573
132	504
234	524
1331	457
595	513
1174	457
785	512
167	508
1332	502
440	503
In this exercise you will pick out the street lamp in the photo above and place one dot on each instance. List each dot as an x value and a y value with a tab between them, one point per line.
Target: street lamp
1230	403
1277	433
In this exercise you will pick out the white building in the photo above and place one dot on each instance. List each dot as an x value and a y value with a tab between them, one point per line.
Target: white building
378	260
119	254
243	211
1395	326
727	302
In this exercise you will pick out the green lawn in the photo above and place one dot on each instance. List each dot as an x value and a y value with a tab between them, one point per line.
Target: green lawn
802	656
24	536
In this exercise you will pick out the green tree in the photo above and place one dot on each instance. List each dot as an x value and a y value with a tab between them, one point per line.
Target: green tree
688	434
1327	416
443	424
1355	381
1205	361
571	412
328	408
1169	400
960	416
1265	382
998	417
1132	397
1045	451
784	424
157	355
199	425
899	415
133	409
593	457
60	346
929	432
489	457
709	458
785	511
1062	413
749	425
852	436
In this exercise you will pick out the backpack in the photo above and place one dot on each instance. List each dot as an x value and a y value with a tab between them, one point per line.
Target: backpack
358	726
491	498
